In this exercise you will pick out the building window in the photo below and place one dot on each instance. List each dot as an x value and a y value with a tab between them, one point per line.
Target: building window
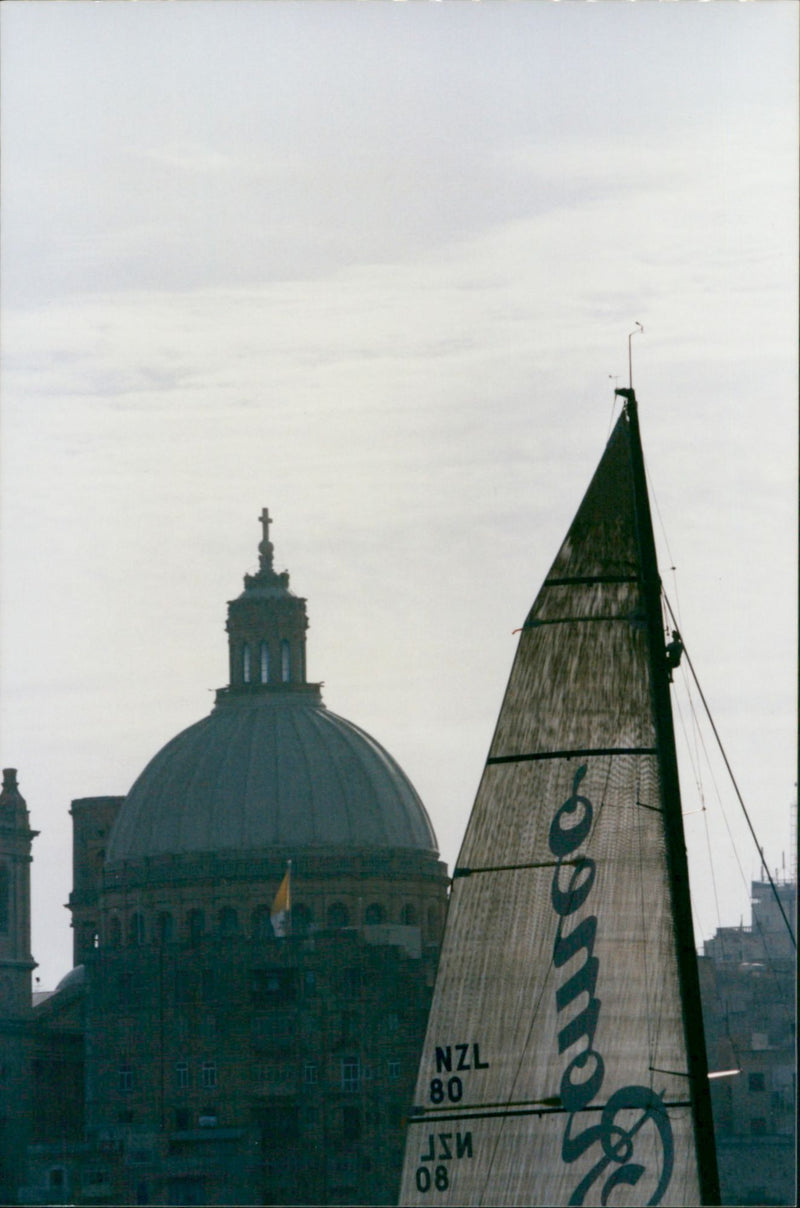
262	927
351	1074
408	915
310	1073
755	1081
197	925
228	921
375	913
246	663
164	927
264	663
136	929
181	1118
302	919
208	1075
394	1070
338	915
57	1176
758	1126
126	1078
182	1075
114	932
285	662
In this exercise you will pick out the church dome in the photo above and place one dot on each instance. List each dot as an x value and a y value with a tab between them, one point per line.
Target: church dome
270	771
271	767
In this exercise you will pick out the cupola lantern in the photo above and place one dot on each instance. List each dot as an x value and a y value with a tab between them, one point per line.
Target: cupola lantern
267	628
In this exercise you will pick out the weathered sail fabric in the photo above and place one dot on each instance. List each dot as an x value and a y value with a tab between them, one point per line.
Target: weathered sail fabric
555	1067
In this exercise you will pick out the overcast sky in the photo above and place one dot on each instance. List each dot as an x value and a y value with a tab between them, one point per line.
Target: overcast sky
374	266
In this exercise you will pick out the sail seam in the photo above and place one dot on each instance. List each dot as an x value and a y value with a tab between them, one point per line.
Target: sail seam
468	872
591	579
631	620
577	752
532	1111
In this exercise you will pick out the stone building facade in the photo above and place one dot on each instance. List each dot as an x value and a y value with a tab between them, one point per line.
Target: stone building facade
193	1055
748	981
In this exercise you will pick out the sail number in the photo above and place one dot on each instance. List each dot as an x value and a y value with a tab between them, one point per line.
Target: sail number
453	1061
449	1057
442	1147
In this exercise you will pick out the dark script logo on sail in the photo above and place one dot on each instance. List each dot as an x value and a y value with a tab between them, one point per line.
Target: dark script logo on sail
583	1077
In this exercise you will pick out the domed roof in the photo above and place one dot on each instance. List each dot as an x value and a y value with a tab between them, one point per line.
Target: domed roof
274	769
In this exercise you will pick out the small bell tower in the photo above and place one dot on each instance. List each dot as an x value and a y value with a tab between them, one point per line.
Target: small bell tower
266	628
16	962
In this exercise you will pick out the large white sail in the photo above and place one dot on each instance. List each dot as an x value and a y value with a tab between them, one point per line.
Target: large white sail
555	1068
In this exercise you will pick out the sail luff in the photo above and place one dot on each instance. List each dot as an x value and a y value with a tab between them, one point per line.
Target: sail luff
555	1067
673	824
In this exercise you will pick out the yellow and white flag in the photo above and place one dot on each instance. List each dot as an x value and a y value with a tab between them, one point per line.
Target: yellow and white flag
281	911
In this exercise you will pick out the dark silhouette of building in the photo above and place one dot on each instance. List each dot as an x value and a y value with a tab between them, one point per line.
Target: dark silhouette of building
194	1056
748	981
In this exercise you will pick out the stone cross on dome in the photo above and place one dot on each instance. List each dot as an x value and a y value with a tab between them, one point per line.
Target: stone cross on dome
265	548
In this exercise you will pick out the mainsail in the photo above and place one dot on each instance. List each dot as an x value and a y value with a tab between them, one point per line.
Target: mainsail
564	1060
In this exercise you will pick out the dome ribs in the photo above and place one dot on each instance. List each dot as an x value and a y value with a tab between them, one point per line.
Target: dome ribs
270	771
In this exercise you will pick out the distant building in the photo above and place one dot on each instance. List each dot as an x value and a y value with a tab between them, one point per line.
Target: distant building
193	1055
748	980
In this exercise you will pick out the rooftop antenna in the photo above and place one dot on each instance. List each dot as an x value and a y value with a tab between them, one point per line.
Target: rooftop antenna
630	363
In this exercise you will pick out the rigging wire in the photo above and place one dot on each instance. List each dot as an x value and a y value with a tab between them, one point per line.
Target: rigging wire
772	885
675	616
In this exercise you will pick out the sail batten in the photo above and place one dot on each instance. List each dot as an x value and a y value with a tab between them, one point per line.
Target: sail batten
557	1029
575	752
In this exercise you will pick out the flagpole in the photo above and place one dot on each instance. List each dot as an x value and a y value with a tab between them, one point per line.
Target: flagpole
289	893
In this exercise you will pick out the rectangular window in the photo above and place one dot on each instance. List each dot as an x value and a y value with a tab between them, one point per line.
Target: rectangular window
394	1069
351	1074
208	1075
310	1073
126	1078
755	1081
182	1075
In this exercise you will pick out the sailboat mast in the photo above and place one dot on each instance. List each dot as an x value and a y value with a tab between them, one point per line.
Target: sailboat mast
673	823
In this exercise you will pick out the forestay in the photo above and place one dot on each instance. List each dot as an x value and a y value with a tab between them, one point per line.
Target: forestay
555	1064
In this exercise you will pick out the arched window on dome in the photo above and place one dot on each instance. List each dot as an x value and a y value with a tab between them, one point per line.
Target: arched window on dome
114	932
264	663
228	921
245	664
302	919
261	925
196	925
286	669
136	929
408	915
433	924
375	913
338	915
